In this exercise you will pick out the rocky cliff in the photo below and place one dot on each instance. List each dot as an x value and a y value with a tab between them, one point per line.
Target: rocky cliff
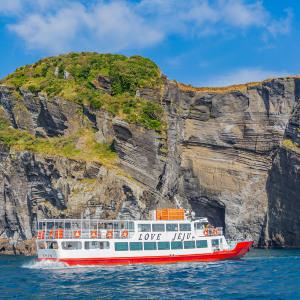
231	154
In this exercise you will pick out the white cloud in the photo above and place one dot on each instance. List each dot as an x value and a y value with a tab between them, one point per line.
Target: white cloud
243	76
239	14
102	25
10	7
281	26
106	27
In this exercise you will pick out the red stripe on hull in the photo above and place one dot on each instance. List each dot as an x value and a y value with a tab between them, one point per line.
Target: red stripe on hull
240	250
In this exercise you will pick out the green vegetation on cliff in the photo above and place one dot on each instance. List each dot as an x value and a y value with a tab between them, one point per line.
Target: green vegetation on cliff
100	81
81	146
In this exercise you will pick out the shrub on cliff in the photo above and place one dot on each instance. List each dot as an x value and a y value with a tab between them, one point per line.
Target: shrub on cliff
75	77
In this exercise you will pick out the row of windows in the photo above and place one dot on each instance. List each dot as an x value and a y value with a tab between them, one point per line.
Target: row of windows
125	246
72	245
164	227
138	246
90	224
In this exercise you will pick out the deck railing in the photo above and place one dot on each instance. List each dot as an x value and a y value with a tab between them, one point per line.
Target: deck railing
95	229
84	228
212	231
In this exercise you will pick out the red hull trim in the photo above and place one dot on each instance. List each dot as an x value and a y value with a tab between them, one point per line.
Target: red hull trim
240	250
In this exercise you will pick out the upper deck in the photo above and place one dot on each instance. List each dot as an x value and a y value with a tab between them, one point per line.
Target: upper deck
118	229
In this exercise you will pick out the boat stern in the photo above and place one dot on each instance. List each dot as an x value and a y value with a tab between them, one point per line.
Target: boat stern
47	250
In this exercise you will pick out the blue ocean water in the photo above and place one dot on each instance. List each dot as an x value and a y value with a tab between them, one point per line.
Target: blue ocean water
262	274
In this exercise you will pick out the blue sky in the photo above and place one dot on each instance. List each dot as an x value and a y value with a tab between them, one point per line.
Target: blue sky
199	42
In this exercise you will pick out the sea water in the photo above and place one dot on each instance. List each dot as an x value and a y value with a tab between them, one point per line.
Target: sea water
262	274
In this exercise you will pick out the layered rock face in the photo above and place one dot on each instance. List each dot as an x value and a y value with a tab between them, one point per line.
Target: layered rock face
220	156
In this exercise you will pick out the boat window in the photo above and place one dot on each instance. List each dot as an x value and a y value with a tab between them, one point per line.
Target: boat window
96	245
101	225
52	245
50	225
41	225
59	225
158	227
201	244
118	225
71	245
189	244
93	224
172	227
144	227
108	226
136	246
198	225
41	245
67	225
150	246
176	245
185	227
131	226
215	242
76	225
163	245
121	246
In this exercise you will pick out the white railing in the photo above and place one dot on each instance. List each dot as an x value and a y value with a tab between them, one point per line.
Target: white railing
212	231
84	228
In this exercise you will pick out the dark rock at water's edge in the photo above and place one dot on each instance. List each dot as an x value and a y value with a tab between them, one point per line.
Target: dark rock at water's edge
229	154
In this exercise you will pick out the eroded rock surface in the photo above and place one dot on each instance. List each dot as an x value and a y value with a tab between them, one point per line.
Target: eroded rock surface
221	156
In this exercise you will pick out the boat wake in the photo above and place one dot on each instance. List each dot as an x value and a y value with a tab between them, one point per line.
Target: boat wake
45	264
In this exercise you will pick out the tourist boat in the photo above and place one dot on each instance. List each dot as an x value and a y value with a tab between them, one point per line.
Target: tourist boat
170	236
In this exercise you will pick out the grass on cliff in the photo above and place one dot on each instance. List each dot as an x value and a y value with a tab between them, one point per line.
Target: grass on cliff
81	146
74	77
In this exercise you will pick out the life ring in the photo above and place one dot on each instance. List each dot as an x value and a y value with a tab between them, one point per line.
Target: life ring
205	232
93	234
51	234
59	233
109	234
216	231
124	234
41	234
77	234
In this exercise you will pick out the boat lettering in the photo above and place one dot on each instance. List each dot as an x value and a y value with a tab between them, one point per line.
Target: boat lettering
47	255
181	236
148	236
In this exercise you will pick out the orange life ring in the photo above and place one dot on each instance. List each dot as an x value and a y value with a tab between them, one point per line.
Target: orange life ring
205	232
77	233
124	234
216	231
51	234
59	233
41	234
109	234
93	234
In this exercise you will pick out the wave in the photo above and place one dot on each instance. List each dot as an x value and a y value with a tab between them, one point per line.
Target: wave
44	264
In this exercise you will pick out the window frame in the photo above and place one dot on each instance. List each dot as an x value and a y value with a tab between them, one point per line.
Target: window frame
105	245
148	243
163	242
159	224
119	243
185	243
141	226
201	241
214	244
135	243
185	224
176	243
64	243
172	224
